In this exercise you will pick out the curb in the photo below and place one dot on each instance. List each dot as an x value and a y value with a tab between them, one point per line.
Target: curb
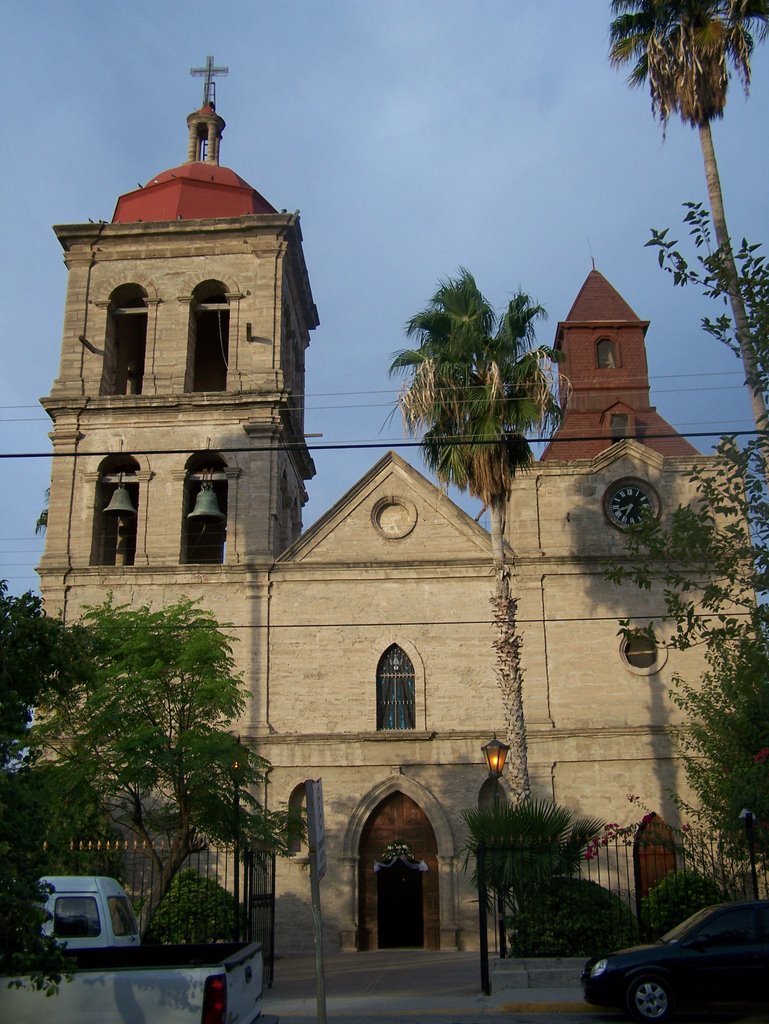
553	1007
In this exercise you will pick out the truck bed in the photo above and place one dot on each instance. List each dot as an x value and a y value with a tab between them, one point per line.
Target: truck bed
145	985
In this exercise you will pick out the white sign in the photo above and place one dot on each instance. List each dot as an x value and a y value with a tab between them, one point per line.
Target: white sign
316	832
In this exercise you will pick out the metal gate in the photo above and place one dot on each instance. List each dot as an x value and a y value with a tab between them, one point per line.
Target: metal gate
259	905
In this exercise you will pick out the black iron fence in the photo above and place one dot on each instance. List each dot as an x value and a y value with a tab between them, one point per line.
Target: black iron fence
220	894
615	890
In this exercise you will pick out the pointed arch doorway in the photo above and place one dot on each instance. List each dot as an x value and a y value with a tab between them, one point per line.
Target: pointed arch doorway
398	907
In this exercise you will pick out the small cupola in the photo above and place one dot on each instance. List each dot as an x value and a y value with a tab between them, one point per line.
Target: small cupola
205	125
205	128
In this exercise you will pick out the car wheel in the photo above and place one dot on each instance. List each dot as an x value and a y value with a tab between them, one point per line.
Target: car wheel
649	999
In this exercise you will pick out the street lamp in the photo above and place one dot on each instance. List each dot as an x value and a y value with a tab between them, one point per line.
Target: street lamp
495	753
236	770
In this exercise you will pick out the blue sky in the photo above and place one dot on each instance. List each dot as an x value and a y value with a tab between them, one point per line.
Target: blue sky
414	137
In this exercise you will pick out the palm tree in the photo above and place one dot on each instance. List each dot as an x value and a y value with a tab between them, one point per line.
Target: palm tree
684	49
476	386
527	845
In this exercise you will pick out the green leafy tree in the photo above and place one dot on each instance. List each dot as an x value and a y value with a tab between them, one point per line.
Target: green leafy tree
476	384
684	49
710	562
150	731
37	656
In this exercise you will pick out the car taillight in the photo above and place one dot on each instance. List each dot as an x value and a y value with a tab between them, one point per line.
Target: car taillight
215	1000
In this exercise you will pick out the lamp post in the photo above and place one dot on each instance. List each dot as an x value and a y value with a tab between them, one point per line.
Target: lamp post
495	752
236	770
750	825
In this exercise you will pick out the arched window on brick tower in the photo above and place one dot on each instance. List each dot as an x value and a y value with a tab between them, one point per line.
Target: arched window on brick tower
204	511
208	352
395	688
116	511
126	341
606	354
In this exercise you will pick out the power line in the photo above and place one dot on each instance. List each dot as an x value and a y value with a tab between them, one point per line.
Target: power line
374	445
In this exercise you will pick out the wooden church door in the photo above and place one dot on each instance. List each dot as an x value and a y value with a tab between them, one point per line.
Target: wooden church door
398	906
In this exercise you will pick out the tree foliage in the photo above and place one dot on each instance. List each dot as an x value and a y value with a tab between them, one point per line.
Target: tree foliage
685	49
37	656
710	561
150	729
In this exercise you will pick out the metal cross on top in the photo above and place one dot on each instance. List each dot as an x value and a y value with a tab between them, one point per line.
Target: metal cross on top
209	87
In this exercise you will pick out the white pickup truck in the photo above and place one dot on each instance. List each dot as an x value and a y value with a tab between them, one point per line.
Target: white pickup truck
118	981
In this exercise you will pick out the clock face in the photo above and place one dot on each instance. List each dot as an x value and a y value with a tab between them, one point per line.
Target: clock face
628	501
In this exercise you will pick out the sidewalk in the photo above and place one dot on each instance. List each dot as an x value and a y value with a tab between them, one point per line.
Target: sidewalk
388	981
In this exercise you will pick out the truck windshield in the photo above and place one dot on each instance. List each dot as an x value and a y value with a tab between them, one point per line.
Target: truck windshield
75	917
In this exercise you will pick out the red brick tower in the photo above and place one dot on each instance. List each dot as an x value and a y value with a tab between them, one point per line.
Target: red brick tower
602	341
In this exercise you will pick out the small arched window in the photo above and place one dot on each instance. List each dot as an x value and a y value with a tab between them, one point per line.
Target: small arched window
204	514
297	806
395	690
606	354
116	512
126	342
209	347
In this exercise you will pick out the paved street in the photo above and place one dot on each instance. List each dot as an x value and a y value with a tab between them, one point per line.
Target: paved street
423	987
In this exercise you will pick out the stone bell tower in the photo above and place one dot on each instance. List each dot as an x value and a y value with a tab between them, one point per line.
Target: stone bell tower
178	413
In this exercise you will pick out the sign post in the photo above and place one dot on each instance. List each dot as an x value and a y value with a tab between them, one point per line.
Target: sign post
316	836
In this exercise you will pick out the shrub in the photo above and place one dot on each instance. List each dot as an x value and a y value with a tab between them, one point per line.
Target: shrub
195	909
571	917
677	896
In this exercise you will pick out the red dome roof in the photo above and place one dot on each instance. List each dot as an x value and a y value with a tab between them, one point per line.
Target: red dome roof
188	192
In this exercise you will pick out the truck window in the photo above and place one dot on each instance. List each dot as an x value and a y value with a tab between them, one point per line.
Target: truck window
76	917
122	916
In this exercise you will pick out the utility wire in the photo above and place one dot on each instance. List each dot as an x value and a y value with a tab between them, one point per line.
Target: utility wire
374	445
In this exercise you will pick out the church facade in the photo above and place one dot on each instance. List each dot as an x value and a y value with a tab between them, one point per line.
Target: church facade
365	641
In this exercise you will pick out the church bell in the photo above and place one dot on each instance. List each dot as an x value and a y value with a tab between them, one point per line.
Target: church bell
120	503
206	506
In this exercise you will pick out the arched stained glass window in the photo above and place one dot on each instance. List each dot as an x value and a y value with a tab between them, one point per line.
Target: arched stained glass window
395	690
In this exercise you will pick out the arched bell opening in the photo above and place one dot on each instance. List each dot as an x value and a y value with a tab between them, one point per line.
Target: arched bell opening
204	514
398	896
126	342
116	512
209	346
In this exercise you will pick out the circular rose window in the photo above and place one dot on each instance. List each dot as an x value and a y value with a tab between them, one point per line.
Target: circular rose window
394	517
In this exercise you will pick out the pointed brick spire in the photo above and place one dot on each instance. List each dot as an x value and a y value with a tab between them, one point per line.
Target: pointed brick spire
602	341
598	300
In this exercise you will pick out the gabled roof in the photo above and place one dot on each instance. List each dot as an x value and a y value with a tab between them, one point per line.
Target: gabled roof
433	528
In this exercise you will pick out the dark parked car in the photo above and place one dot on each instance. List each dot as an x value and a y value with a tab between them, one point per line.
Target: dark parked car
720	954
